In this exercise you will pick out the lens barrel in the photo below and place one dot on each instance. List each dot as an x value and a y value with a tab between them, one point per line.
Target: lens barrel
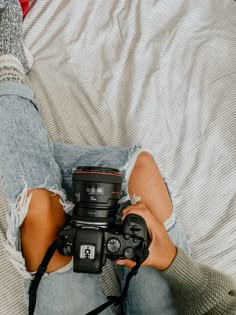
96	191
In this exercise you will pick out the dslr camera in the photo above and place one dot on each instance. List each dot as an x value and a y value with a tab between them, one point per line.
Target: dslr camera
92	233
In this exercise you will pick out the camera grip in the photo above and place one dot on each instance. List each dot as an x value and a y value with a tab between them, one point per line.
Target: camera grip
135	225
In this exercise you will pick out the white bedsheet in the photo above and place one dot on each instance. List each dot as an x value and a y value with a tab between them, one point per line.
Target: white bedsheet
160	73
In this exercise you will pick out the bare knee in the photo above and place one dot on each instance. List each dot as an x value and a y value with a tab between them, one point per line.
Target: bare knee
145	161
146	182
44	208
144	164
44	218
145	157
145	167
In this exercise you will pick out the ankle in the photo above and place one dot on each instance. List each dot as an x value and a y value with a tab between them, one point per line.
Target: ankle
11	69
14	59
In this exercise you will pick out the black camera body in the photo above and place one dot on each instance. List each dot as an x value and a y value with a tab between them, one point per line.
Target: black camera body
91	245
92	235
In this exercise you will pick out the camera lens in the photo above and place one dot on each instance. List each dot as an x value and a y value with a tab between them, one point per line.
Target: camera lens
96	191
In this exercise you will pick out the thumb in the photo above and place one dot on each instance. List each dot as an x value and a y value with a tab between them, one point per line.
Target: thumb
126	262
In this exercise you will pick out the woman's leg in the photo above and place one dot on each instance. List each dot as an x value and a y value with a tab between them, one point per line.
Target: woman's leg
32	181
26	150
149	293
146	181
27	166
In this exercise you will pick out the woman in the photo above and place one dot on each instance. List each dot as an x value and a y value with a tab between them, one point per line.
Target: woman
33	172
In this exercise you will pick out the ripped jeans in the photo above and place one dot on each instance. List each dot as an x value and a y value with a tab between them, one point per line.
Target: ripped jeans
28	160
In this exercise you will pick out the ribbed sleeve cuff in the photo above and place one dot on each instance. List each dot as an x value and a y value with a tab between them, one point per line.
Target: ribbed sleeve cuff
200	288
184	275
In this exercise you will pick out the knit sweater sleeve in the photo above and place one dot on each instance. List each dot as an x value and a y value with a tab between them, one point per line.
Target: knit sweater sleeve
199	289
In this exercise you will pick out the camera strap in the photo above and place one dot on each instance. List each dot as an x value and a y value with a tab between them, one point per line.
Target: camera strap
116	300
142	254
40	272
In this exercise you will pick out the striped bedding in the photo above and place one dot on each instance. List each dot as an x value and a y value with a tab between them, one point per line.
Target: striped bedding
159	73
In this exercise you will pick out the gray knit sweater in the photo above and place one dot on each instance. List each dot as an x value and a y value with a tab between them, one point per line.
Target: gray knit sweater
199	289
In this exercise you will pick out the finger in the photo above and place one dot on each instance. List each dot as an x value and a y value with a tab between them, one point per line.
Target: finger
126	262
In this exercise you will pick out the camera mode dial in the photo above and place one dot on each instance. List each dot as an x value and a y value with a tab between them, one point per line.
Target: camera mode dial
113	245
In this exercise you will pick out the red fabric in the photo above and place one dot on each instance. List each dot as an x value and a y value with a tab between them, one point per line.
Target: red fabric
25	6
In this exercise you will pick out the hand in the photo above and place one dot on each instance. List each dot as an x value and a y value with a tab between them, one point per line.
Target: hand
161	250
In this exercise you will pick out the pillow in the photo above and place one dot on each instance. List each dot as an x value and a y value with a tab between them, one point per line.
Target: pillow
25	6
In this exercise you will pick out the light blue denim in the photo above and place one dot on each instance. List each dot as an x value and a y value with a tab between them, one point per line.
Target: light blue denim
28	159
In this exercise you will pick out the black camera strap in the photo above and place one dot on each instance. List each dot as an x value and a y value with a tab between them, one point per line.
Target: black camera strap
116	300
40	272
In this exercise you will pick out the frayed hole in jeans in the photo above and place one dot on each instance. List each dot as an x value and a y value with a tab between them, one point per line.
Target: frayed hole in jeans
15	217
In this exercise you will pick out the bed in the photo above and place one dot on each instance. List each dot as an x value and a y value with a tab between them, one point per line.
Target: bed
158	73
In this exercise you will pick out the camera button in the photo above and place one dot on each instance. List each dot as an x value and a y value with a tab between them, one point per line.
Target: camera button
129	253
126	236
135	240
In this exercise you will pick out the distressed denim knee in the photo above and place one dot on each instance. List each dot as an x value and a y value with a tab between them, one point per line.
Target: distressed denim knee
26	162
70	156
